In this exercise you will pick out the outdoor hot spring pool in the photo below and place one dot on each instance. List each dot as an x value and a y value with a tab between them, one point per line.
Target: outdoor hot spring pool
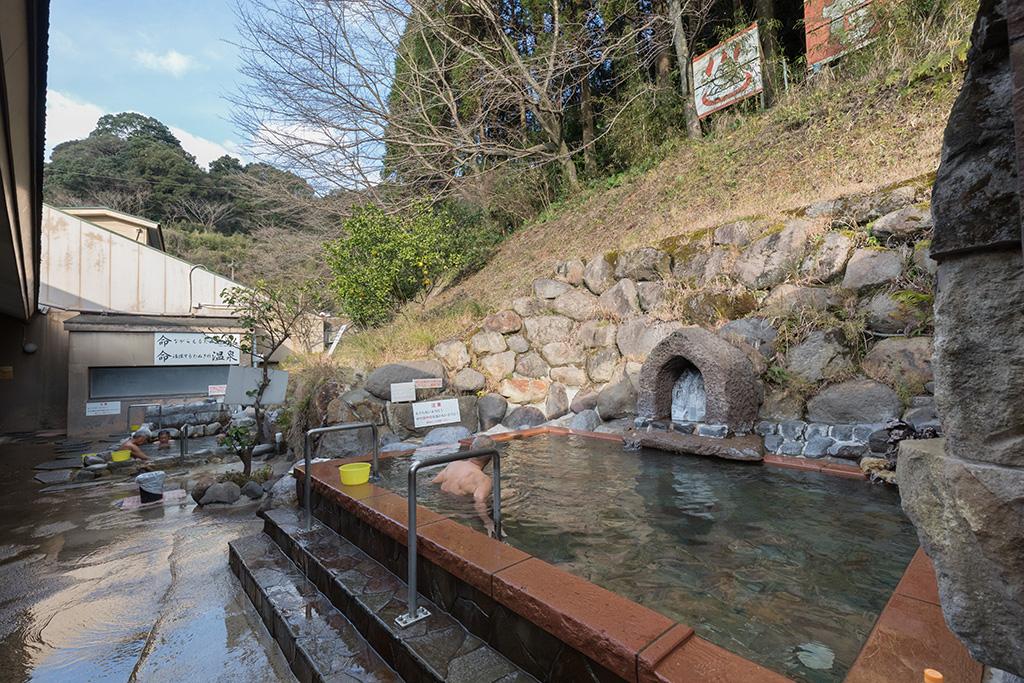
787	568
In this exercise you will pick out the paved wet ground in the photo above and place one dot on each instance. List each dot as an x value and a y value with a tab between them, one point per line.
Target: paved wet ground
91	593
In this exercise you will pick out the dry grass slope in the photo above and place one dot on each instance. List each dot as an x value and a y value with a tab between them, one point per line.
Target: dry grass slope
828	137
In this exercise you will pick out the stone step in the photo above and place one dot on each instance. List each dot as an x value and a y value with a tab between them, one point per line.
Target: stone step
437	648
319	643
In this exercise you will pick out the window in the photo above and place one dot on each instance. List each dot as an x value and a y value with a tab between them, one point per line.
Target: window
152	382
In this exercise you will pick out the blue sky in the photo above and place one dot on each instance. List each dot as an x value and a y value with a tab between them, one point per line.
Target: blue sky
171	60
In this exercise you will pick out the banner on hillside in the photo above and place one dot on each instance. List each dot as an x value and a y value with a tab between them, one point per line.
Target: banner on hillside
835	27
728	73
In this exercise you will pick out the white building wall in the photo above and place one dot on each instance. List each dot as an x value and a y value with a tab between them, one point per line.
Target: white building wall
88	268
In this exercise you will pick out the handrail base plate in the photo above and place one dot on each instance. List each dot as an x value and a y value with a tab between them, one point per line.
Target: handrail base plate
404	620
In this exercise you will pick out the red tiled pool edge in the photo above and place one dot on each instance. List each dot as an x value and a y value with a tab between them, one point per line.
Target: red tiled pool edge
633	641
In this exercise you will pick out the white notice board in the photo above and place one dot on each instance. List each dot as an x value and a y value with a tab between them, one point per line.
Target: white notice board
403	392
430	413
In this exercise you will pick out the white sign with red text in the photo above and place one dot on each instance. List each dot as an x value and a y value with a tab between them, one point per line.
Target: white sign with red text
441	412
728	72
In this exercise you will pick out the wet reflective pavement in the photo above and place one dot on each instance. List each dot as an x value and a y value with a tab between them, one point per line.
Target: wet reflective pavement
91	593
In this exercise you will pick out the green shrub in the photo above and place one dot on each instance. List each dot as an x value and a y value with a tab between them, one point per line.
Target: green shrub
386	259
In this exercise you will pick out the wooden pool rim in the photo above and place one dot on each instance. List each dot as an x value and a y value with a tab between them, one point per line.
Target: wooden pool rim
634	642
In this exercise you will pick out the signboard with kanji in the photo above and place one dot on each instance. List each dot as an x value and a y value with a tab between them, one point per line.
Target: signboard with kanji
195	348
834	27
728	73
430	413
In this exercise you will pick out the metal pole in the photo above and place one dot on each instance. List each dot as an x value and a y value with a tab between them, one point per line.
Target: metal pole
307	481
307	457
414	612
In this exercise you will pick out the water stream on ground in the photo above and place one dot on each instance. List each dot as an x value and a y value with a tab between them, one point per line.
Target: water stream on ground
787	568
91	593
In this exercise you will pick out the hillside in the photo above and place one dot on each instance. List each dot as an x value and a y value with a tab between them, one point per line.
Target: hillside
823	141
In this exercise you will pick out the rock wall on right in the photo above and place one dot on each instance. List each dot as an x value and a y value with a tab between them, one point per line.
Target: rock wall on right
966	496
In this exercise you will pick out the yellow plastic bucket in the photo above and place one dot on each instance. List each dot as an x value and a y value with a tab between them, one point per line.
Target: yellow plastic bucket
355	473
121	456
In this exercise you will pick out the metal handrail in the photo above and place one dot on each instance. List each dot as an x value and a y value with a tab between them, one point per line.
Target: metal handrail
128	414
414	613
308	481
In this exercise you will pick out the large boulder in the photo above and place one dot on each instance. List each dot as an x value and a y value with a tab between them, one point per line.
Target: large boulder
380	380
545	329
532	365
201	485
517	343
597	333
503	322
522	390
829	259
453	354
769	260
497	366
487	342
599	274
224	493
529	306
782	404
758	333
585	421
283	494
561	353
576	304
818	357
901	362
546	288
637	337
468	380
621	301
969	517
400	417
569	375
965	499
442	435
583	400
889	313
618	398
788	297
903	224
570	271
524	417
492	409
858	401
738	234
601	365
646	263
557	403
650	294
870	266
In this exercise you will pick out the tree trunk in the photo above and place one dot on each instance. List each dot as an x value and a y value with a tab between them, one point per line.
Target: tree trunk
568	166
587	111
765	12
683	58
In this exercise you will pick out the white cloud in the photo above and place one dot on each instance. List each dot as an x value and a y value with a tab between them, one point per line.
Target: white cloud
68	118
204	150
171	62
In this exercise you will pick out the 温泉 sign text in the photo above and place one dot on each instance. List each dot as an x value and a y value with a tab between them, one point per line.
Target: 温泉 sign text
430	413
195	348
728	73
